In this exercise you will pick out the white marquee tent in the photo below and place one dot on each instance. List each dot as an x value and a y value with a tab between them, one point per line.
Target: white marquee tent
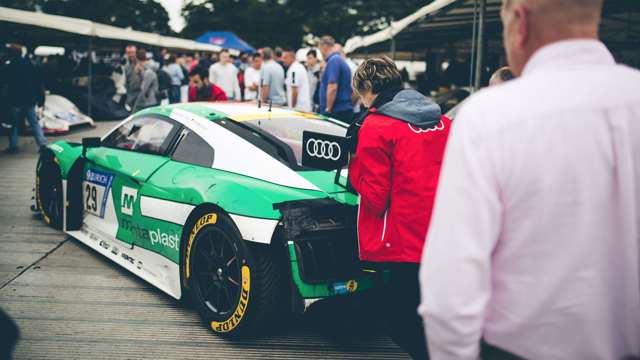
92	29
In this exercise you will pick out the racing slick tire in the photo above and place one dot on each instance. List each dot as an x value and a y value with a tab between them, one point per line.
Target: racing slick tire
49	190
234	285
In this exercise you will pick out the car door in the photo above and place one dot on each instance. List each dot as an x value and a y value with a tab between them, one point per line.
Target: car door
116	172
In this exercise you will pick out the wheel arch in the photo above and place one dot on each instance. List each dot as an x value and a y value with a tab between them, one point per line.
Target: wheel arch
194	215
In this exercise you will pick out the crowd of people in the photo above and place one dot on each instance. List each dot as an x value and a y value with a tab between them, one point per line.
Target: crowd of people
512	232
271	76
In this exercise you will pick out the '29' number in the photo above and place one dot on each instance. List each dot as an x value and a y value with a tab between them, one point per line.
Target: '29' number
91	196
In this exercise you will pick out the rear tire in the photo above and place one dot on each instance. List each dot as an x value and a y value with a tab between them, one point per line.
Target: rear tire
235	286
49	199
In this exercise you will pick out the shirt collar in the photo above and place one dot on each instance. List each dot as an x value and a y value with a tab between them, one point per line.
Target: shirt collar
332	55
569	53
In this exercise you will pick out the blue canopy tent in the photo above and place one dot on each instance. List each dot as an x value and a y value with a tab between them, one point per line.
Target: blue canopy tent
225	39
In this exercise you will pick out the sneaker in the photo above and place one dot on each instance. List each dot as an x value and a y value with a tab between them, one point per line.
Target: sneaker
11	150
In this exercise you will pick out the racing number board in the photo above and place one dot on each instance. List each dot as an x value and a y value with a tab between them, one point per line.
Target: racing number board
95	191
324	152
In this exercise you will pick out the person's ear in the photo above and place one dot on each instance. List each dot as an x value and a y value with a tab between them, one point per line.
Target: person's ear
522	15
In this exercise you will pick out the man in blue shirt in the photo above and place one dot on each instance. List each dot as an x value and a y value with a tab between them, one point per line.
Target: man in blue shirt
335	84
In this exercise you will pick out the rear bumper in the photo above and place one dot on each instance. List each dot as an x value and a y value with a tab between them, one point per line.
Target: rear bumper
322	245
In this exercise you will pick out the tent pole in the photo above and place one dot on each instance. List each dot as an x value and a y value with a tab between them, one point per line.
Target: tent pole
480	49
90	77
392	50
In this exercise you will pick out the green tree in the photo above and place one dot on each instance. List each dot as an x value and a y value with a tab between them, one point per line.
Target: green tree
286	22
142	15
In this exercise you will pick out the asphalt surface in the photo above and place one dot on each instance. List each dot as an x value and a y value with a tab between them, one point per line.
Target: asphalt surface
71	303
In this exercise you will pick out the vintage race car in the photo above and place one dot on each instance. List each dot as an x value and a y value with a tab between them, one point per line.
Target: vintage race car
59	115
213	201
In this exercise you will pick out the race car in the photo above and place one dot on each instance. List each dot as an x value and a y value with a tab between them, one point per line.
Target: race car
214	202
59	115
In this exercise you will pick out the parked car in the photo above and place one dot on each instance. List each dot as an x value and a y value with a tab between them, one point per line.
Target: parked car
212	201
59	115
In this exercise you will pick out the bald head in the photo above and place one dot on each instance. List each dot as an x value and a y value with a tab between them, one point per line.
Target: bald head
531	24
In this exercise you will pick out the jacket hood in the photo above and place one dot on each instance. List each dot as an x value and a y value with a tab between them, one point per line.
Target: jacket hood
410	106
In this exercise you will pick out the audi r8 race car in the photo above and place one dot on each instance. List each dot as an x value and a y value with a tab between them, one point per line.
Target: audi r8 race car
214	202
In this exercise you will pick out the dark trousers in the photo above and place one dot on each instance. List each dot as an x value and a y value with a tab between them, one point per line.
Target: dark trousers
174	94
344	116
401	298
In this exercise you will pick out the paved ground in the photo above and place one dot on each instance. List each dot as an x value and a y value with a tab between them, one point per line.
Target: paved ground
70	303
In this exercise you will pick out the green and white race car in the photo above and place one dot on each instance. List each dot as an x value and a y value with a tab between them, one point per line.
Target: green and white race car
212	201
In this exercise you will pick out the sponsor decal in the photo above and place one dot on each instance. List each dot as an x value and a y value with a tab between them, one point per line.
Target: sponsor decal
166	240
343	288
207	219
352	286
323	149
233	321
417	130
137	230
156	237
324	152
97	185
128	198
57	148
128	258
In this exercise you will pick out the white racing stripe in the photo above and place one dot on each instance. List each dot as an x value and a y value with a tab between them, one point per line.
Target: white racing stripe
251	229
165	210
255	229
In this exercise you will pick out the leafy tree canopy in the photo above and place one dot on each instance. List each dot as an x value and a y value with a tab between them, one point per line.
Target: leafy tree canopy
286	22
142	15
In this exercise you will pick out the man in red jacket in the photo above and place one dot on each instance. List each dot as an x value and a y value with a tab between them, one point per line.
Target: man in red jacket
400	145
200	89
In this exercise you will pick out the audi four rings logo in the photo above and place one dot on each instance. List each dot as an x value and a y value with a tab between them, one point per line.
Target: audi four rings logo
323	149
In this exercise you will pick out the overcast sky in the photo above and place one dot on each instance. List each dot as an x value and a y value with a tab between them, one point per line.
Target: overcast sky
176	21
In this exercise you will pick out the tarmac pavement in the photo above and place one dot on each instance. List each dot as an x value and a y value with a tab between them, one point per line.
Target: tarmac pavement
71	303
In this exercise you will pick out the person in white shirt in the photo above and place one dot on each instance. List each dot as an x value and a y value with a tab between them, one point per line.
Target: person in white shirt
252	78
297	83
225	75
534	244
313	73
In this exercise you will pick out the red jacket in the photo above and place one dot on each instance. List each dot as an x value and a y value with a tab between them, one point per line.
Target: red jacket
214	93
395	170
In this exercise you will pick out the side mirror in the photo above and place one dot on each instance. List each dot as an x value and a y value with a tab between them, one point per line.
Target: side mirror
90	142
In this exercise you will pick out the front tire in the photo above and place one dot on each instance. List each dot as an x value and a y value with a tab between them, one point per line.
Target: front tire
49	190
234	285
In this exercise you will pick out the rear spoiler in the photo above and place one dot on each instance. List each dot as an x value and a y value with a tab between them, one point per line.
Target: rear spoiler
325	152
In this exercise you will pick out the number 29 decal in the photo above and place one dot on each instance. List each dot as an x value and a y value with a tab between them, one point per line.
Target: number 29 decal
96	187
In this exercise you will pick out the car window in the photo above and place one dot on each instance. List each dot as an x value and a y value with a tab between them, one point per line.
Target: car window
289	130
144	134
192	149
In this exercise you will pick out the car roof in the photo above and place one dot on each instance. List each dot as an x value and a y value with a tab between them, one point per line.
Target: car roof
233	110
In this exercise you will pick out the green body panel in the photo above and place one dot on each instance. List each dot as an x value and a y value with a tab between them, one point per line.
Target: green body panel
314	291
159	236
138	166
67	154
325	180
236	194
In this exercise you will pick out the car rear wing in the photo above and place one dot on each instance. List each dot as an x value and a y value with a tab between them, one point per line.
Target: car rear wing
325	152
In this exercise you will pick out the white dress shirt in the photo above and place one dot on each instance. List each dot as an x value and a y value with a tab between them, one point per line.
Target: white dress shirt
534	241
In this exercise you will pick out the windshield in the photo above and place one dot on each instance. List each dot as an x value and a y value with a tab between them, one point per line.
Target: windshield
289	130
